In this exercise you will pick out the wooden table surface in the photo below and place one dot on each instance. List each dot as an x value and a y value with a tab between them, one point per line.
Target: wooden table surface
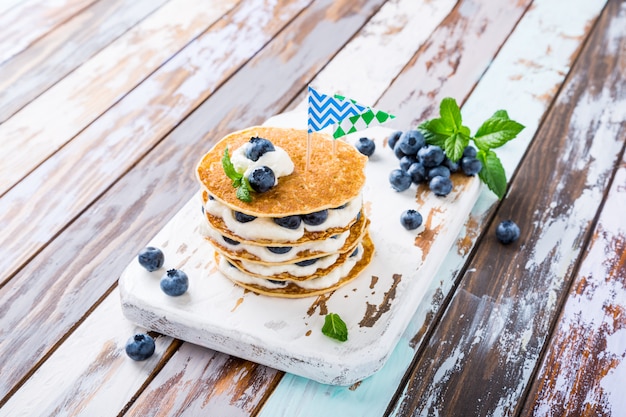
106	106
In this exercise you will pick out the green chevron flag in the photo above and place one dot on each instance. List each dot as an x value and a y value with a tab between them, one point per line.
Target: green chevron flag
361	121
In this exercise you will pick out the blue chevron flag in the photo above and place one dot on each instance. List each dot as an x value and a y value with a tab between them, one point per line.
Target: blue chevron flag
325	110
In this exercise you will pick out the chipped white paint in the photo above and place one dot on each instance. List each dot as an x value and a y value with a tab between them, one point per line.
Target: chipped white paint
48	122
217	314
77	378
392	36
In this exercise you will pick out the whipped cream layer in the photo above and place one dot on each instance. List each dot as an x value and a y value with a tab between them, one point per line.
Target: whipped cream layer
326	281
264	228
330	245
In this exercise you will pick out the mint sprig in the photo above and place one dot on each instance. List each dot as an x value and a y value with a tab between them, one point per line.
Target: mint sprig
238	180
335	328
448	132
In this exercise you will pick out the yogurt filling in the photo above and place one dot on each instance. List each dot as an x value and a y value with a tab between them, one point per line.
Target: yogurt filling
326	246
326	281
265	228
292	269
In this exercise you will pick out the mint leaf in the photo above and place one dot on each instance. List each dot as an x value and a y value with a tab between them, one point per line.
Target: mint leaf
454	146
450	114
229	169
435	132
243	190
496	131
492	173
335	328
500	114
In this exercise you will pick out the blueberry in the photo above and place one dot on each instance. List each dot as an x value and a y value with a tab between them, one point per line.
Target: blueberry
398	152
140	347
411	141
417	173
151	258
289	222
393	138
258	147
355	252
262	179
229	240
406	162
366	146
440	185
411	219
507	232
430	156
276	282
343	206
471	165
243	217
315	219
469	151
400	180
439	170
279	249
307	262
175	282
452	166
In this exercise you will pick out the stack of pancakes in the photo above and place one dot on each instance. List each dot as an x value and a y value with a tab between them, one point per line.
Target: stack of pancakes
317	256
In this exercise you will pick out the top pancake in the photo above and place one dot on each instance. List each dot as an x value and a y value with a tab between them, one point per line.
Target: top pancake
333	178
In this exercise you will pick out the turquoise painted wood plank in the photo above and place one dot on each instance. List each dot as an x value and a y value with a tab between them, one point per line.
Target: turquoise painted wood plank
561	33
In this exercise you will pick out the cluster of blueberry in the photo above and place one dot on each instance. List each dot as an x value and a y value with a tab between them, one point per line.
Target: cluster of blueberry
423	163
262	178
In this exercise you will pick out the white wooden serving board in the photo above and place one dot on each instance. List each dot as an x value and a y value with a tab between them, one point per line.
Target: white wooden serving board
286	333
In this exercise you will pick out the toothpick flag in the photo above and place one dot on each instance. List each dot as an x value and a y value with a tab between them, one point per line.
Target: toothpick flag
348	115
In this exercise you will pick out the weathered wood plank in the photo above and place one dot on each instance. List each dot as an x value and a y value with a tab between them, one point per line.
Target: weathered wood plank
90	372
154	107
497	321
25	22
50	121
70	274
583	371
66	47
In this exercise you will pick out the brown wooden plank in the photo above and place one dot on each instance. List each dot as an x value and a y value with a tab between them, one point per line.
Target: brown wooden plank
489	340
64	48
584	369
56	116
25	22
69	275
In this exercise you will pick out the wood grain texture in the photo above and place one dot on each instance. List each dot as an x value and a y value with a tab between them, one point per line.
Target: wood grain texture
91	373
49	59
24	22
38	220
583	370
507	299
85	259
55	117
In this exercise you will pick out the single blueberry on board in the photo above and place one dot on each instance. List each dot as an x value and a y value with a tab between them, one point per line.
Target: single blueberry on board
400	180
411	141
366	146
140	347
439	170
243	217
411	219
262	179
470	165
315	219
151	258
430	156
417	173
175	282
279	249
441	186
289	222
258	147
507	232
393	138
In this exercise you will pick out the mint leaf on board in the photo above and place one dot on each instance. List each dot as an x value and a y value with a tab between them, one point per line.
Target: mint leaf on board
496	131
492	174
335	328
448	132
